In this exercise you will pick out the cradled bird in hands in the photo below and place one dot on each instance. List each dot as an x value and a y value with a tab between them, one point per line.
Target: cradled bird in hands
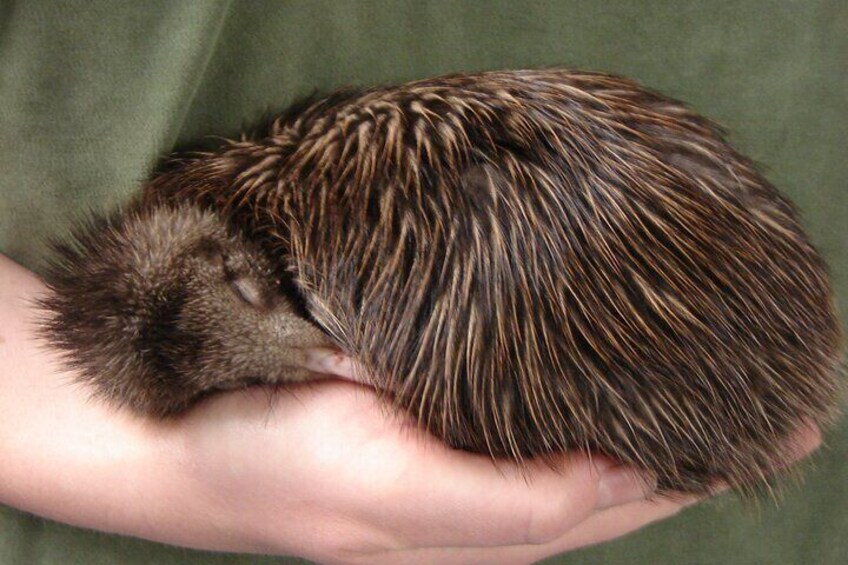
525	261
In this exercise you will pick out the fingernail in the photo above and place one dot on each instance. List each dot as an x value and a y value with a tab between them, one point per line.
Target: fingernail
620	485
806	440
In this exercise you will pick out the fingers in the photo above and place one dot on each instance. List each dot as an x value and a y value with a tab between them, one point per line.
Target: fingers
621	485
577	504
617	521
469	501
806	439
599	527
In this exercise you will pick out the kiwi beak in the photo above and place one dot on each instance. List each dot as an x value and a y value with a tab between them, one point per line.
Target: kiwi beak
334	363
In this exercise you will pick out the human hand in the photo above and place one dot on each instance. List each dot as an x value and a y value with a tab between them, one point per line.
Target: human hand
371	488
321	471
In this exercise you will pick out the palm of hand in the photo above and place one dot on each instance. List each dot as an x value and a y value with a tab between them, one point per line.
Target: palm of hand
329	467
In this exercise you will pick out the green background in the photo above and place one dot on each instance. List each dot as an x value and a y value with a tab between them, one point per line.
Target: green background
92	93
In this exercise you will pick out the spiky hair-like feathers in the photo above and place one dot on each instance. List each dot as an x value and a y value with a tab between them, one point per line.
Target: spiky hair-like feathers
536	261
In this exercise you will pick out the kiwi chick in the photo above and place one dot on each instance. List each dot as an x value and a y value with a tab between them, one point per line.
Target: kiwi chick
536	261
158	307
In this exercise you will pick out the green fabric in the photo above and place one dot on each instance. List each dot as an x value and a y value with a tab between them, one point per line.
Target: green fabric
91	93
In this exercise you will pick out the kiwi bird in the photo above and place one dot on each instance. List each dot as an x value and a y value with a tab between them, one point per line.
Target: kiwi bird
526	262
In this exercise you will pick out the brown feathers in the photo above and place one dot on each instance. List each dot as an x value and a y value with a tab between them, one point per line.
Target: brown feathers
157	307
535	261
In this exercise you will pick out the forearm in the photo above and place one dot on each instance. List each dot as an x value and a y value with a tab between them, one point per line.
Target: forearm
68	457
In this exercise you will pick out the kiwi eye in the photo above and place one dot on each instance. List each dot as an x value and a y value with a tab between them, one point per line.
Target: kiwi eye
247	290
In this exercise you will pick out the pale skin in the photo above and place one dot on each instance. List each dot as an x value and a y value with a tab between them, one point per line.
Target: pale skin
321	471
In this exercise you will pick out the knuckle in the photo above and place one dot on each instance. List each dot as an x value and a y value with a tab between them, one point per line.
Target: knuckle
358	544
554	509
545	521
